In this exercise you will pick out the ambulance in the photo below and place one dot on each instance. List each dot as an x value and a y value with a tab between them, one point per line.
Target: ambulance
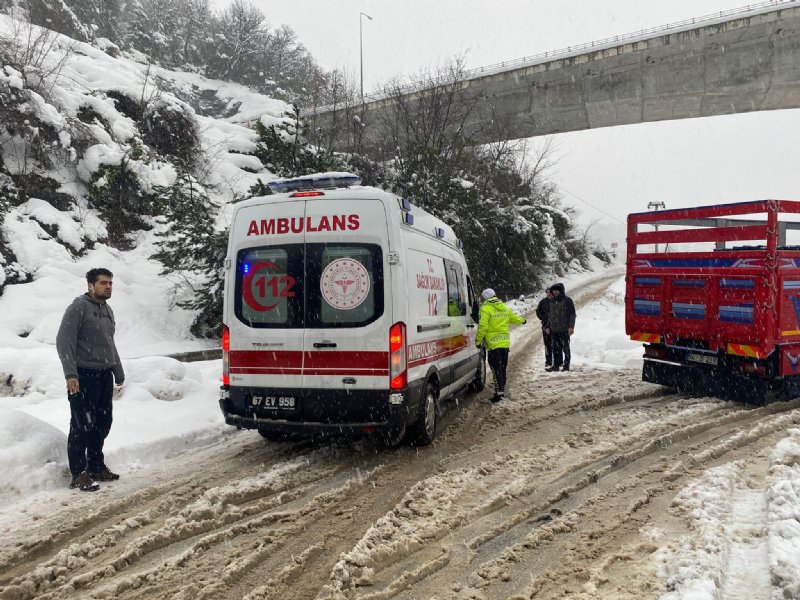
347	310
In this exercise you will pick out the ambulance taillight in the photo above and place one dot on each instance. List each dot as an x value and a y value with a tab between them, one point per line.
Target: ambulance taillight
397	357
226	355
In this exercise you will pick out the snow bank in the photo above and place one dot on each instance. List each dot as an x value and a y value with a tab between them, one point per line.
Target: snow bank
33	455
164	408
784	516
744	533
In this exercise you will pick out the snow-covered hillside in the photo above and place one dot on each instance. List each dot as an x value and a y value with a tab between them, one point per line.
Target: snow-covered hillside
80	115
71	108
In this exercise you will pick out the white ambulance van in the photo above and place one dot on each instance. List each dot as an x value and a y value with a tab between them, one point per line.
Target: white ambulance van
346	310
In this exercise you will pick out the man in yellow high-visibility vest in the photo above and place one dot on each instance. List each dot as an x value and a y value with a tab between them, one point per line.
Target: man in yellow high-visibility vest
494	335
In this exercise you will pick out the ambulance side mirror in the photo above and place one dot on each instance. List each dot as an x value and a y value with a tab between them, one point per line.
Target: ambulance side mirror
476	311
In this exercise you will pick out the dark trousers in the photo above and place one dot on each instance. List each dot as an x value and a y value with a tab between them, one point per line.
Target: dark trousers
561	353
548	347
90	420
498	362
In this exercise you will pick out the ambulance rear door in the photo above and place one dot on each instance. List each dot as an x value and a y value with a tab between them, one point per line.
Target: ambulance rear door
266	331
348	310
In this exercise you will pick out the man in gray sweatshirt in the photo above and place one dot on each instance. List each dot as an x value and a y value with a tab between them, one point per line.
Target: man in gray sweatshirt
91	364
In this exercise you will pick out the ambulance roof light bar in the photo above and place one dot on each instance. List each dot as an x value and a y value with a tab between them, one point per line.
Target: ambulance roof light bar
318	180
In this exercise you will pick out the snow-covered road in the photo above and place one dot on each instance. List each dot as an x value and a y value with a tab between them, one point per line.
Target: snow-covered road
587	484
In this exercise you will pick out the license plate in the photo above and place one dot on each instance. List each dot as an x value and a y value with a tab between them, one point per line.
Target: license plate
275	403
703	359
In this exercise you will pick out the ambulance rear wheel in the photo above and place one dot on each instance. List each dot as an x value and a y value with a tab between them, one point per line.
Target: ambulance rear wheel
477	384
274	436
424	430
394	437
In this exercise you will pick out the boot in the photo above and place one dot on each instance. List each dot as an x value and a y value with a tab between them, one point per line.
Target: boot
84	483
104	474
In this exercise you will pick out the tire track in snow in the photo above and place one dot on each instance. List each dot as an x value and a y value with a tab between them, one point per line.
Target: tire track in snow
172	518
405	560
599	447
606	531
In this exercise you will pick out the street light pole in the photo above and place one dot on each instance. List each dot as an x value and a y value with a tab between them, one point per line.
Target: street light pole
361	48
656	206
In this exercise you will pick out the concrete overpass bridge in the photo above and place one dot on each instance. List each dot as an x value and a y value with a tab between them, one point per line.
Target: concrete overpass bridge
731	62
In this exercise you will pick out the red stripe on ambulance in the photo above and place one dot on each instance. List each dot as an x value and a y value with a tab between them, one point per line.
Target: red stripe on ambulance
426	352
286	362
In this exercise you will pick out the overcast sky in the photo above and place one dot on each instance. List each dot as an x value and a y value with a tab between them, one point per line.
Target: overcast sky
620	169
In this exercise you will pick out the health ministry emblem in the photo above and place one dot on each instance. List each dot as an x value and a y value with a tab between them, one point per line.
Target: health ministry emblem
345	283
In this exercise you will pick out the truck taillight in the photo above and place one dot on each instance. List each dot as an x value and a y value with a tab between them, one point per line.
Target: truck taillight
226	355
398	377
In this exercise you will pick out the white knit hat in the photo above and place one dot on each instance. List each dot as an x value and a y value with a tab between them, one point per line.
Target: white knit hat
487	293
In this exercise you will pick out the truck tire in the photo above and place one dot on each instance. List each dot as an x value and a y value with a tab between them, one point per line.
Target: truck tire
477	384
423	431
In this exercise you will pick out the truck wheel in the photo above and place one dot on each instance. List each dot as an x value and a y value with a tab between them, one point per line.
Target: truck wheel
477	384
425	428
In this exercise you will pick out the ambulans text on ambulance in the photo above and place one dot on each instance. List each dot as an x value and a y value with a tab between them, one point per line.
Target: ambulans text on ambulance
283	225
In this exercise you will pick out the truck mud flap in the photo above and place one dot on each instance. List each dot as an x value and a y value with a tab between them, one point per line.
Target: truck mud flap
708	382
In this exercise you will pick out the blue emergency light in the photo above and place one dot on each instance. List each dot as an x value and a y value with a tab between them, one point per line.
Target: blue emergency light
315	181
439	232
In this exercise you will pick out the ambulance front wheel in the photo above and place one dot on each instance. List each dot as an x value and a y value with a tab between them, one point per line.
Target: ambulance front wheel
424	430
477	384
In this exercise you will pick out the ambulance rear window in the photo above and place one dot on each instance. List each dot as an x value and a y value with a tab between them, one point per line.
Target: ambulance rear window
299	286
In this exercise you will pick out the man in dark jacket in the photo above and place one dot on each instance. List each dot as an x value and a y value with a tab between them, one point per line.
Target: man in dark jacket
85	345
560	325
543	313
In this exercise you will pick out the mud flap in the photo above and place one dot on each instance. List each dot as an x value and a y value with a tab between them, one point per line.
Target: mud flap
708	382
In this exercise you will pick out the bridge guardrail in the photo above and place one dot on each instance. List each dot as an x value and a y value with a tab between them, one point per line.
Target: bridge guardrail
575	50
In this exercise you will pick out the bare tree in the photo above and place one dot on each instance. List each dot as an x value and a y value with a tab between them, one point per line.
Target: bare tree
242	34
430	112
38	54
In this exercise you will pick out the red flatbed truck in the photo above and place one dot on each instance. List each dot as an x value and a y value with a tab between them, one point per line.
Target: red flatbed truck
718	308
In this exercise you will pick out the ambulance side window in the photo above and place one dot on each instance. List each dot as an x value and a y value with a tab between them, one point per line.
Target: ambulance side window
473	302
456	290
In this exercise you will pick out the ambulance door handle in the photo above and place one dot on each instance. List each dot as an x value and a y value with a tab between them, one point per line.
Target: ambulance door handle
324	344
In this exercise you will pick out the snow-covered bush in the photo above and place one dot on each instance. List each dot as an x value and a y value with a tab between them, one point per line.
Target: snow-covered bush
117	192
285	152
170	129
192	250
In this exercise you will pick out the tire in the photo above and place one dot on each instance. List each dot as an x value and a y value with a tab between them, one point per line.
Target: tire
424	429
394	437
477	384
273	436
